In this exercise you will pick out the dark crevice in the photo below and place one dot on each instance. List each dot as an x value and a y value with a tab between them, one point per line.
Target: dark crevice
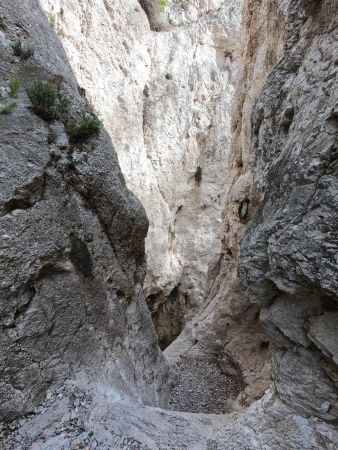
198	175
80	256
168	314
154	14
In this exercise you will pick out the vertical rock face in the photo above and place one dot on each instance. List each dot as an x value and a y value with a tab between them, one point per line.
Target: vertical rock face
228	326
165	98
282	176
72	244
288	260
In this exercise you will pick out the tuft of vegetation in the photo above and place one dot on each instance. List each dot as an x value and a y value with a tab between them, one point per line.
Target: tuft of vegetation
48	102
14	87
52	19
6	110
172	22
61	32
83	128
163	4
24	52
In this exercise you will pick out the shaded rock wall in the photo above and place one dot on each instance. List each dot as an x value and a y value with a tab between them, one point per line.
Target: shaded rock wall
229	325
282	177
288	260
72	244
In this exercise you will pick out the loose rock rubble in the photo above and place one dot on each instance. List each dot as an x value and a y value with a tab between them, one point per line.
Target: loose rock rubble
202	386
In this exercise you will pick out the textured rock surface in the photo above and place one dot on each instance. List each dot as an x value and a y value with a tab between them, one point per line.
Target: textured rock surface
289	82
292	322
165	99
96	423
288	259
72	246
228	325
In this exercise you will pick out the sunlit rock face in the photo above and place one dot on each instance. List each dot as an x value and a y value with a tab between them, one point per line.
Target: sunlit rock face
165	98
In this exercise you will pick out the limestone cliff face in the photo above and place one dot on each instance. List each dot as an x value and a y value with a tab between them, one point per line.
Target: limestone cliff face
165	98
72	244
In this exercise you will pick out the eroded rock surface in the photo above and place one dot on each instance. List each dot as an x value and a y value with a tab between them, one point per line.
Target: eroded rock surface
281	182
288	262
72	245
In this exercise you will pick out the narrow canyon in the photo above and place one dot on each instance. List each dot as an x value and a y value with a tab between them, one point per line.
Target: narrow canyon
169	224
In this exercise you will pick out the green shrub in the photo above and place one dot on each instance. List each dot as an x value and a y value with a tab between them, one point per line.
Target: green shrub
47	101
7	109
14	87
24	52
163	4
82	128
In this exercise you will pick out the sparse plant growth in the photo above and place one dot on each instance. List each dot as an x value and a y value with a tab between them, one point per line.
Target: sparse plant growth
163	4
48	102
52	19
84	127
60	32
168	76
24	52
17	48
172	22
14	87
7	109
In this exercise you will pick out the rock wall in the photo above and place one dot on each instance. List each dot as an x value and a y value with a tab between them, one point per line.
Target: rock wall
165	98
72	244
277	162
228	326
279	235
288	260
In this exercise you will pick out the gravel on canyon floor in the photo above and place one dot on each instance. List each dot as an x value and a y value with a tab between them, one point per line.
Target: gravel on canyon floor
202	386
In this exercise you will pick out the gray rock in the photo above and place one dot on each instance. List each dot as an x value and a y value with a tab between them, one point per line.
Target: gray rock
71	306
288	253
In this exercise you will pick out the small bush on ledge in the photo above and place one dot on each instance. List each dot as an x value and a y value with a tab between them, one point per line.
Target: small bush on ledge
83	128
14	87
47	101
22	51
163	4
6	110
